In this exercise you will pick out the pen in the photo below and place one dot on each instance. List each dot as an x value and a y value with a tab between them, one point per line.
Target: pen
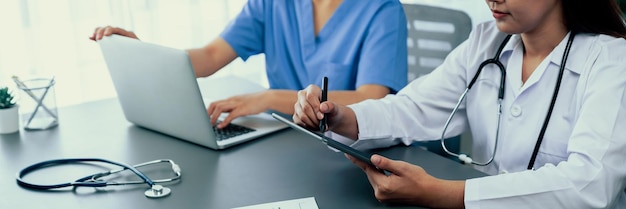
324	98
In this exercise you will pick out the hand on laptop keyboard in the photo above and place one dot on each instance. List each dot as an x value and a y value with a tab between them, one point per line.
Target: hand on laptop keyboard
231	130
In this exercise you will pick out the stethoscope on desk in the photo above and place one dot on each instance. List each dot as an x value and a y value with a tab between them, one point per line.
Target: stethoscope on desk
95	180
495	61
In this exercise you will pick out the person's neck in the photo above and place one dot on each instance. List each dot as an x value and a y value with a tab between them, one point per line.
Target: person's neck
538	44
541	43
322	10
325	2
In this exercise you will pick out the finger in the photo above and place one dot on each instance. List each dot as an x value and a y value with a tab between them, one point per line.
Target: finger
210	111
372	172
313	97
231	116
109	31
328	107
374	176
124	33
93	35
310	105
99	32
220	107
357	162
329	110
304	111
324	109
383	163
298	116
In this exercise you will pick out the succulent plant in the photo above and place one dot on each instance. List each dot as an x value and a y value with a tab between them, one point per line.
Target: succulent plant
6	98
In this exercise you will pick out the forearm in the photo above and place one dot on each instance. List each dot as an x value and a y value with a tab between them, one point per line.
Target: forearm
284	100
369	91
281	100
350	97
209	59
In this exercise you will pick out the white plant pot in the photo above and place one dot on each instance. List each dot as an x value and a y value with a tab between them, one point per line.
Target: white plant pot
9	120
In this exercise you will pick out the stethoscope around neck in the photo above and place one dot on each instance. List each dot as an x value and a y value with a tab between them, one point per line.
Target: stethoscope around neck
495	61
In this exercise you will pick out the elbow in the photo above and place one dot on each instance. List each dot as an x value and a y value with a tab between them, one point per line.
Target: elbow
380	95
373	91
199	61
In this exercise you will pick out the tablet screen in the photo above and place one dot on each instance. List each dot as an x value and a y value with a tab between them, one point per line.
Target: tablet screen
362	156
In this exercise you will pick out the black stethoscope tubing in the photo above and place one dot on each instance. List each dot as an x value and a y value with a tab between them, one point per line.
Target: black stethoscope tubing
82	182
568	47
495	60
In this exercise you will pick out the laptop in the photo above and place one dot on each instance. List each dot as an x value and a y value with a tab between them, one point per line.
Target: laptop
158	90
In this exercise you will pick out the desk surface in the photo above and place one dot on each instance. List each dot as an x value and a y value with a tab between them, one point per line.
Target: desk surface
282	166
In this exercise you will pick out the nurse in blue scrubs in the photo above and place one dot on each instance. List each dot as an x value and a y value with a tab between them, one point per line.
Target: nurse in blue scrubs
359	45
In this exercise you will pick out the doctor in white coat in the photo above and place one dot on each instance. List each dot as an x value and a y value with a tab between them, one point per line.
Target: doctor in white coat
560	139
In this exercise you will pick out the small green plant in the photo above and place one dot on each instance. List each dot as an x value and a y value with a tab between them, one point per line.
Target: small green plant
6	98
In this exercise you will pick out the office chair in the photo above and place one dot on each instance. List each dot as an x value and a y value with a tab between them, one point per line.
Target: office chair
432	33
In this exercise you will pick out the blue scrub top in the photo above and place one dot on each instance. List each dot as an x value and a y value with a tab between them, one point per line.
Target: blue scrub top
363	42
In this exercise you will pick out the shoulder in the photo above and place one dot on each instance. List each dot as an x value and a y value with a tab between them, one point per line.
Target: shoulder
375	5
258	3
381	2
377	12
254	8
601	48
612	45
598	56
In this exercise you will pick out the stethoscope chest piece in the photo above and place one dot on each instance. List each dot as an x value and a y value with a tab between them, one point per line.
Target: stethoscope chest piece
157	191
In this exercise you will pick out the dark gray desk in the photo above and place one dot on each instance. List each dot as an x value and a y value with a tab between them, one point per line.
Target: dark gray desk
282	166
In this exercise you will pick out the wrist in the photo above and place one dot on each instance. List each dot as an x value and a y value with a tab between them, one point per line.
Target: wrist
446	193
266	98
347	124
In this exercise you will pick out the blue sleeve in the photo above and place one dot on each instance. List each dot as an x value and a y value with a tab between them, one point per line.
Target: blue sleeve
245	33
387	33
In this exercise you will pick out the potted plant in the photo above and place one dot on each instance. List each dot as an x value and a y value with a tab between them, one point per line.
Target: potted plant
9	116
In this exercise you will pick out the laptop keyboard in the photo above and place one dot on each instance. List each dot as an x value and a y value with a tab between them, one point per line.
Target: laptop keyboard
231	130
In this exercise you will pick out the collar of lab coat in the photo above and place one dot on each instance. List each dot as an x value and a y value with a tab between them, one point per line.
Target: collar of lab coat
576	57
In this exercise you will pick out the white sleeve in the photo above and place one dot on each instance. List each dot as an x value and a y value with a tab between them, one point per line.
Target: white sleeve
419	111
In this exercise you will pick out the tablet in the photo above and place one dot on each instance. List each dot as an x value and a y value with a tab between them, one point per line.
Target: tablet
362	156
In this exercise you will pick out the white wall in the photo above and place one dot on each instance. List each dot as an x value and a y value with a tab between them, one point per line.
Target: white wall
42	38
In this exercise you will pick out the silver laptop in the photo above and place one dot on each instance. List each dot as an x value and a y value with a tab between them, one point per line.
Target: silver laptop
158	90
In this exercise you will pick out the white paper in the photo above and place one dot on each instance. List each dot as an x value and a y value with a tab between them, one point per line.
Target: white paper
303	203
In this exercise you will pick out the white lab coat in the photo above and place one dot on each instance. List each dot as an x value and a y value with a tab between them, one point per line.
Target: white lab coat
582	160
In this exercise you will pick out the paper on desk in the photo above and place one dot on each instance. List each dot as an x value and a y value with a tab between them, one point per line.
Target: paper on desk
303	203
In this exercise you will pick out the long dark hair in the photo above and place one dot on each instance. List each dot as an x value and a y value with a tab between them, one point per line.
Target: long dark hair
594	16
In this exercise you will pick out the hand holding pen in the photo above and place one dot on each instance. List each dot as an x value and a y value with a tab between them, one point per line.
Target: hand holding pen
322	124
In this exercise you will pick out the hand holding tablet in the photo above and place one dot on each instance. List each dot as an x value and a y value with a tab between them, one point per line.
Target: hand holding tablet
362	156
